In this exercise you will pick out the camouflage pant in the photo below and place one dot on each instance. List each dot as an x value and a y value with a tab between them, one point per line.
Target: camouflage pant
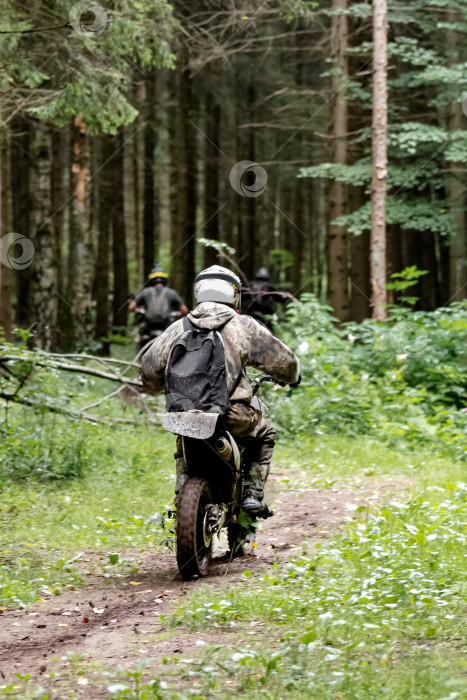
249	428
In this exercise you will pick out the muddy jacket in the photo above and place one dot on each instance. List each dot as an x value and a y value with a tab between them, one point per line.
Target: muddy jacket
246	343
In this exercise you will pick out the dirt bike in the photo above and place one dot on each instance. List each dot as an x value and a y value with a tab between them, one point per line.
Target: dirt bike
148	332
211	498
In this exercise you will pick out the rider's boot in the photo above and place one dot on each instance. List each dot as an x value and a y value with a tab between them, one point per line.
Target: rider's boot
254	491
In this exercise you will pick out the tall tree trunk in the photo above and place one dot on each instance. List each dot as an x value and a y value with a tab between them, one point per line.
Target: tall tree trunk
360	263
149	220
246	204
80	257
137	174
5	270
56	189
379	180
45	297
337	242
211	177
394	263
297	237
456	187
21	208
104	184
120	263
183	243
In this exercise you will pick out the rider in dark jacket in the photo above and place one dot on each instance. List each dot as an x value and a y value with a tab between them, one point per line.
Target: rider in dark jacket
156	304
259	301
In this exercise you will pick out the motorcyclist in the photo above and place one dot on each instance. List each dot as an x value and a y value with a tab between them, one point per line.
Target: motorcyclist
157	305
258	300
246	343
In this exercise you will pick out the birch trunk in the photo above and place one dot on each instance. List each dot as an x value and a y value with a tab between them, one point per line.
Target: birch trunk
379	180
44	288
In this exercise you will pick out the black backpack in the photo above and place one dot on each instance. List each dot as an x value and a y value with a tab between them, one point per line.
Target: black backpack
196	376
158	306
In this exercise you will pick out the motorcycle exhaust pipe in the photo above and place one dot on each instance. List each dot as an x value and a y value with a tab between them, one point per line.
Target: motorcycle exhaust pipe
224	448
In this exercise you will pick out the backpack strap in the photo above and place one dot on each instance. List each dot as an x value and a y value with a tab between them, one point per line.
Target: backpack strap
188	325
235	386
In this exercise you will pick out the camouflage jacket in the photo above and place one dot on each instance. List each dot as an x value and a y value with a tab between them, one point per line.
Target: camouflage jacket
246	343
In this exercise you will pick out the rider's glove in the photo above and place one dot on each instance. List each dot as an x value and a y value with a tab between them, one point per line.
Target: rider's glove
297	383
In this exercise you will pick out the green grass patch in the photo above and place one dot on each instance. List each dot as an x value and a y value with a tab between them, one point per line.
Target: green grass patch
110	501
378	610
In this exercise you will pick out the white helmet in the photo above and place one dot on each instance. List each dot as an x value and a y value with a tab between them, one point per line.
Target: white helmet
218	284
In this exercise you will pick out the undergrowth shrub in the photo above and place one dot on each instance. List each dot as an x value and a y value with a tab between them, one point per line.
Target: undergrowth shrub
403	381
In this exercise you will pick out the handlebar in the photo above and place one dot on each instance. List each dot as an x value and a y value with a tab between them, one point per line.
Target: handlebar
259	380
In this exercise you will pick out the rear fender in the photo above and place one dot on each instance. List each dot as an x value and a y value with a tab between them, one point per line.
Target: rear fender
192	424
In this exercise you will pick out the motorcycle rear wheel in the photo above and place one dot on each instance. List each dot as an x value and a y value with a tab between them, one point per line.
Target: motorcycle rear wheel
194	541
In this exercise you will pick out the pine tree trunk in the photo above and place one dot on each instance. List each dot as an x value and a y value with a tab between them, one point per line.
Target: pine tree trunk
211	177
5	270
80	252
20	201
297	238
456	188
149	219
120	263
337	240
378	193
394	247
360	263
101	281
183	243
246	205
57	200
45	297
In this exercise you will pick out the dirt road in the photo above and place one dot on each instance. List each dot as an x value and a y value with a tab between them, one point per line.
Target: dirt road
117	621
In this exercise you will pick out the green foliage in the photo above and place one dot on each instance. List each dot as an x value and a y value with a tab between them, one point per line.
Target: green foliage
72	73
420	151
403	382
407	278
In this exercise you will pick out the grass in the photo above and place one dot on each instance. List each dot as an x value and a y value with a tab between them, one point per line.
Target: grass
377	611
47	518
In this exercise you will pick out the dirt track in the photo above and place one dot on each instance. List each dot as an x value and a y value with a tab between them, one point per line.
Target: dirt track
116	622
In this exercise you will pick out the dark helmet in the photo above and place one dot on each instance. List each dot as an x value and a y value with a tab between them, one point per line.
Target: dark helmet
158	275
263	274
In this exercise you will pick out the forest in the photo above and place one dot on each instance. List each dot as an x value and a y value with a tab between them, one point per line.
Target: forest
323	142
118	140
